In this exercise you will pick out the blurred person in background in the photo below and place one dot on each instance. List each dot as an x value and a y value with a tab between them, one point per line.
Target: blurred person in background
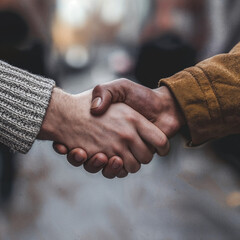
26	34
170	39
180	33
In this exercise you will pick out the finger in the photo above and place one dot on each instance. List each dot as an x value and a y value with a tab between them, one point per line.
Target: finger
142	99
140	151
77	157
96	163
101	100
60	148
106	94
113	168
130	162
153	135
123	173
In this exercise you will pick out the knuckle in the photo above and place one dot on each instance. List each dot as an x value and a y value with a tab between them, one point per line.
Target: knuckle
117	149
133	168
171	126
172	123
122	174
147	160
124	81
131	117
162	142
175	124
126	136
129	138
107	175
117	161
89	167
74	163
98	89
164	150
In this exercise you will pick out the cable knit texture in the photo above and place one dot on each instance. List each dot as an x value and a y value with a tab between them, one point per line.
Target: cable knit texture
24	98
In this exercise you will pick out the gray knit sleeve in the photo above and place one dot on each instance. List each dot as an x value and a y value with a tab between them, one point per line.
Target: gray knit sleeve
24	98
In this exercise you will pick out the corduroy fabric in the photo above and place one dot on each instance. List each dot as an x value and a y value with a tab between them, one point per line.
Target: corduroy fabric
24	98
209	96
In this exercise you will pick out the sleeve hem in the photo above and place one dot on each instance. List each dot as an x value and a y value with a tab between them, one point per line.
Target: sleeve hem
198	103
24	99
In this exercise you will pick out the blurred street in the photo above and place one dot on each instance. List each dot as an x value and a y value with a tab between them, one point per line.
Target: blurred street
191	194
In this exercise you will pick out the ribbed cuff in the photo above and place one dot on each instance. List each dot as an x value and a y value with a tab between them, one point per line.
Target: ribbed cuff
24	98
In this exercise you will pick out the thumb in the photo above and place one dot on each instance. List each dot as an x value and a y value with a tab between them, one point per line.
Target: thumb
101	100
106	94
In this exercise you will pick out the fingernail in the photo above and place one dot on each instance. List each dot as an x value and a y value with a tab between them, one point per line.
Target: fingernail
96	102
97	163
115	164
78	159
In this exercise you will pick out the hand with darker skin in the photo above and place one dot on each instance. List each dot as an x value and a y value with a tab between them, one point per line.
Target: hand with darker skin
110	168
158	106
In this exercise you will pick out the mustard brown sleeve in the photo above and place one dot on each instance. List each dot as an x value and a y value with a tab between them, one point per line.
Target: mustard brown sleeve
209	96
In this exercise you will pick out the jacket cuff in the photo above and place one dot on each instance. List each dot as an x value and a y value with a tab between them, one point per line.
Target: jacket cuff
24	98
198	103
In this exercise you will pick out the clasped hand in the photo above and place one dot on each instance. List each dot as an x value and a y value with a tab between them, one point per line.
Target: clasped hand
118	137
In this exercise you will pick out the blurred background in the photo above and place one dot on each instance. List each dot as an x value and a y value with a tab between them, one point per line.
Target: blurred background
190	194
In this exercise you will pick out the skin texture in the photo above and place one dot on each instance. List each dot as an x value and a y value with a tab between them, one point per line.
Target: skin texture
121	131
158	106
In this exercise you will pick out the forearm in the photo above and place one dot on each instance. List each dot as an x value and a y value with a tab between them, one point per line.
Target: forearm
208	95
24	98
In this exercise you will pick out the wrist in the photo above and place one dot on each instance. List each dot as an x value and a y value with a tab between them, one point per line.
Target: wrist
54	116
171	98
171	107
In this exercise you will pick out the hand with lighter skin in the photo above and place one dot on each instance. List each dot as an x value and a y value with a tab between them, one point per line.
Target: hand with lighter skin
120	132
158	106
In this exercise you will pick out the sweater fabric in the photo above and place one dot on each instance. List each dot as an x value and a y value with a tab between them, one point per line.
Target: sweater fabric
24	99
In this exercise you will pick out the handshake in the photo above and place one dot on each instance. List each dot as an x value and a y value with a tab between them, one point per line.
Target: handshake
115	127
